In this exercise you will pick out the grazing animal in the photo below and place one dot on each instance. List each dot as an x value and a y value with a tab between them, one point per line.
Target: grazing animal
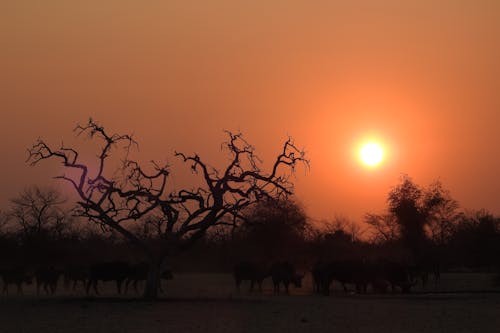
75	274
361	274
318	273
109	271
165	275
284	273
250	271
398	275
139	272
380	285
436	273
323	276
47	277
425	268
354	272
16	276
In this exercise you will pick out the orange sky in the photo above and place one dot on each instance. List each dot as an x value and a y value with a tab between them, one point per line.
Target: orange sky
421	76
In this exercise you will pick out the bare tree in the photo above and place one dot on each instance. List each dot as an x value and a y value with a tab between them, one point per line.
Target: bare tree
338	223
38	210
117	201
343	224
384	227
444	220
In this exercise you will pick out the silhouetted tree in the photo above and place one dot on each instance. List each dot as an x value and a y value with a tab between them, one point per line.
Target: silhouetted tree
118	201
413	207
38	212
444	219
384	227
336	239
341	225
476	240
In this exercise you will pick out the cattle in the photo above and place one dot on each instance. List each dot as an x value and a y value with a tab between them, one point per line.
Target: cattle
250	271
425	268
75	274
435	271
16	276
318	273
166	274
139	272
380	285
361	274
398	275
284	273
47	277
356	272
108	271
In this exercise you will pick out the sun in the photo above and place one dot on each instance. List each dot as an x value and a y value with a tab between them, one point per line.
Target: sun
371	154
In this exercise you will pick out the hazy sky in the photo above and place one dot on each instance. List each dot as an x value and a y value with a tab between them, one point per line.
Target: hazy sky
422	77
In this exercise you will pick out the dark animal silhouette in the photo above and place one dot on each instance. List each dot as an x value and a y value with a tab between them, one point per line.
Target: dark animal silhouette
250	271
318	273
16	276
435	271
47	277
397	274
166	274
361	274
425	268
355	272
139	272
75	274
380	285
284	273
323	274
109	271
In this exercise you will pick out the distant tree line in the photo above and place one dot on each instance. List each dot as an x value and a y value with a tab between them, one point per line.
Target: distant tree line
420	225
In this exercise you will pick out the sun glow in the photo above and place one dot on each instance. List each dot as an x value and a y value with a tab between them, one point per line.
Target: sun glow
371	154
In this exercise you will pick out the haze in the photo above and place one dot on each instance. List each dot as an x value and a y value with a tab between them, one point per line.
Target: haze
420	76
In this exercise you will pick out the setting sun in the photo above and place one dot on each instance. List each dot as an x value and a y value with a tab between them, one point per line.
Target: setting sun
371	154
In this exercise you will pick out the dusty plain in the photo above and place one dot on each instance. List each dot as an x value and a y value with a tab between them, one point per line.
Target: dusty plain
209	303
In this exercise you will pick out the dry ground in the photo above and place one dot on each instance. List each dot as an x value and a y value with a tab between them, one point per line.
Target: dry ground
208	303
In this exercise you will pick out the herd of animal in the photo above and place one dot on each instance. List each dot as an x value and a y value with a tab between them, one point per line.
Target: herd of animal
281	273
360	274
378	276
47	277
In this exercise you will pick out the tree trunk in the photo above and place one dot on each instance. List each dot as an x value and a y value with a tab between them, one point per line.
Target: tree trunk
153	280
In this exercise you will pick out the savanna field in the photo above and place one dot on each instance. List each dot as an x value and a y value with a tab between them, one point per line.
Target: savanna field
460	302
203	154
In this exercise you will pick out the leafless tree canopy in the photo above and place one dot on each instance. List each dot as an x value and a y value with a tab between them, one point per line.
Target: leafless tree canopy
444	220
385	227
36	210
178	216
